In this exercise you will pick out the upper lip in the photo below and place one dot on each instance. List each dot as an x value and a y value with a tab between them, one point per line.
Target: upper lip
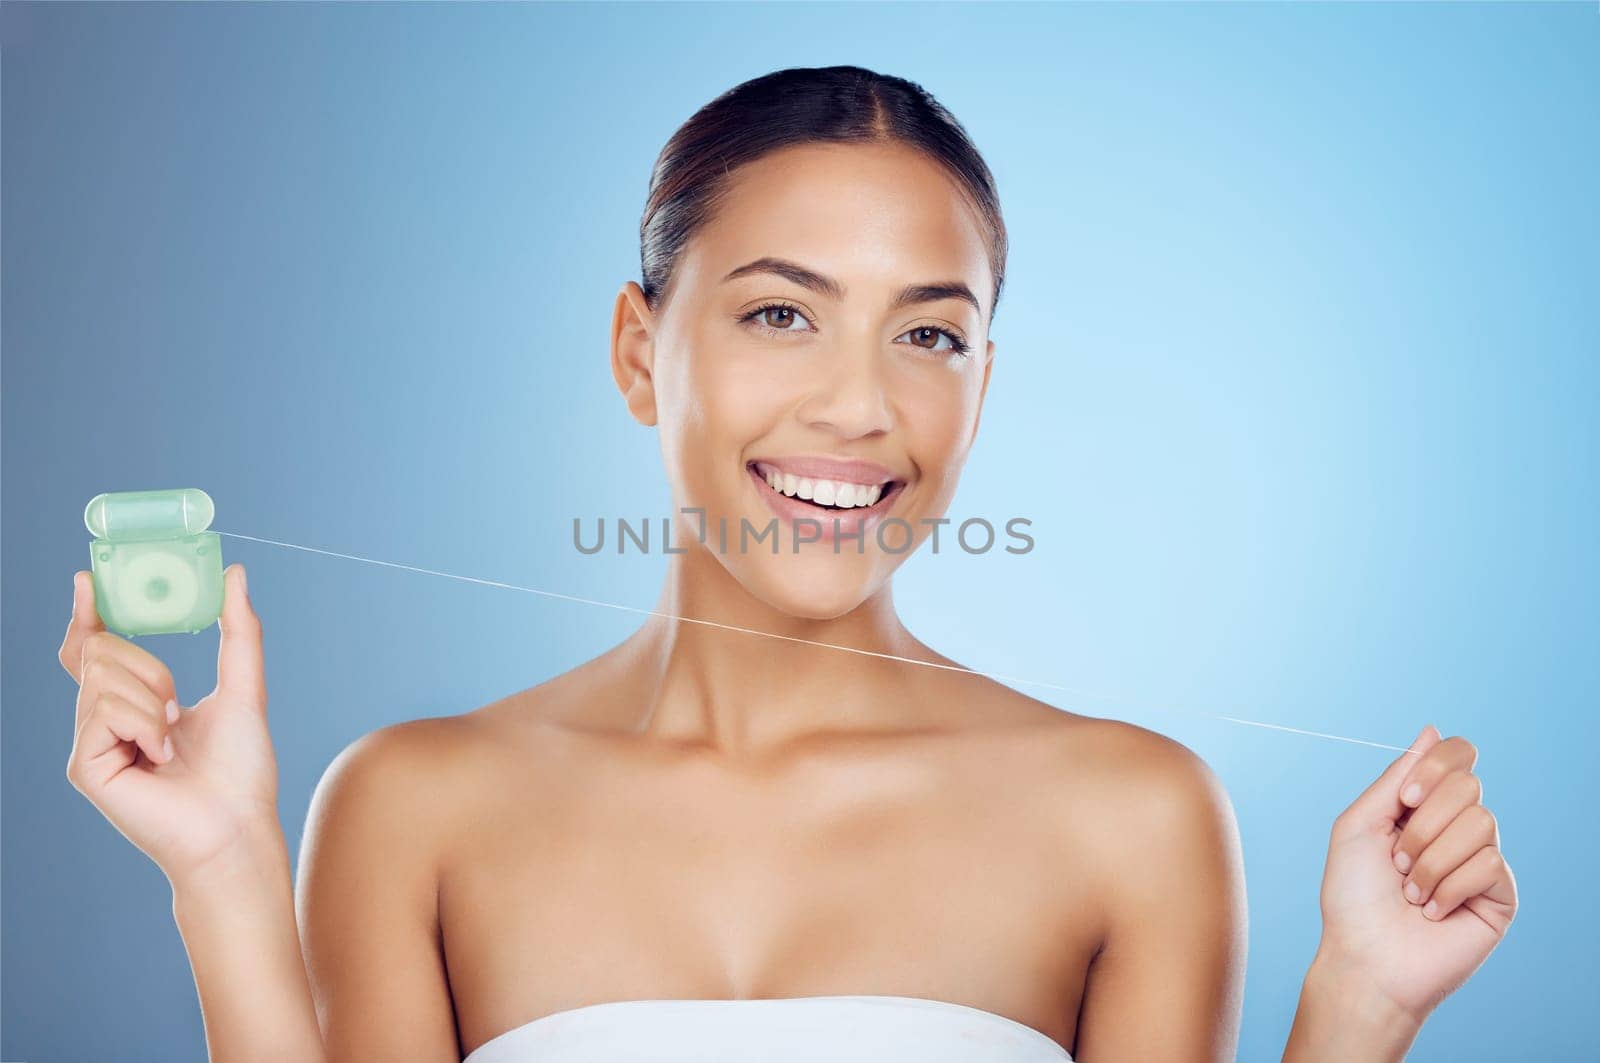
844	470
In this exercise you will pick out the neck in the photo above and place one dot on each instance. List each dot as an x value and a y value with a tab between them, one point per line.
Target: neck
743	693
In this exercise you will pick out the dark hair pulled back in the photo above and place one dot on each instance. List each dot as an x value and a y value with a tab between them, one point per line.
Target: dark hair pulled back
800	105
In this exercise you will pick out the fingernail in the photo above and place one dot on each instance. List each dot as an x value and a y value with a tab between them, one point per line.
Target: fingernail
1431	909
1402	860
244	584
1413	794
1412	892
166	749
172	711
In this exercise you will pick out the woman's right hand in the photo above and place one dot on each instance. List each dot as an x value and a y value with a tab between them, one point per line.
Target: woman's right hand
213	791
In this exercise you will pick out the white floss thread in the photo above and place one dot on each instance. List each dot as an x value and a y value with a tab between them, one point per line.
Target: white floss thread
809	642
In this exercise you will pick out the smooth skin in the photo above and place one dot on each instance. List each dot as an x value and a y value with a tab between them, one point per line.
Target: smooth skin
703	813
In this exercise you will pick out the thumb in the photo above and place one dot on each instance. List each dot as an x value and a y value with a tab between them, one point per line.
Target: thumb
1379	804
85	622
239	668
85	616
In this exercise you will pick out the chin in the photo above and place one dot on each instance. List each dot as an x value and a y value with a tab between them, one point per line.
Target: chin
810	586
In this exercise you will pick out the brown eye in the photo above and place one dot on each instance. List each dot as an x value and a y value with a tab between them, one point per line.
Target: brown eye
957	345
776	317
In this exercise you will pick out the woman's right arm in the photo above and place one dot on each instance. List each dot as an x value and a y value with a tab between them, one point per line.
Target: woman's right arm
196	790
236	917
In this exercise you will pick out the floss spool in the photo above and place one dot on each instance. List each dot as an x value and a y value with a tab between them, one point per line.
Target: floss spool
156	569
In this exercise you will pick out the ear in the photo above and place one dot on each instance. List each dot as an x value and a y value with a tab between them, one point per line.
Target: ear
983	389
633	353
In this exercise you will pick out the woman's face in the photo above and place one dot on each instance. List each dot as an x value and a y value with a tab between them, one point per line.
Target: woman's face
797	355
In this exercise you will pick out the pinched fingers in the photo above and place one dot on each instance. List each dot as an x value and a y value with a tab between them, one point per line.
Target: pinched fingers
110	658
105	674
1454	794
1484	875
1472	831
117	704
109	722
1449	846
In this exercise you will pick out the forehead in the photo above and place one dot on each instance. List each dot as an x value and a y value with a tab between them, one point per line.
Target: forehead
874	216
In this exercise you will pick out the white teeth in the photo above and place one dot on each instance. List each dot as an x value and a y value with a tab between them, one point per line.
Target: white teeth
837	493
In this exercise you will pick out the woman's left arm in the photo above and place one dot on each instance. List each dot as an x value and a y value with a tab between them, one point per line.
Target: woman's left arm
1415	896
1168	980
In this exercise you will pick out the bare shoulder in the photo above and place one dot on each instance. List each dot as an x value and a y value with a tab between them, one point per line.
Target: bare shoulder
397	797
1156	779
397	767
385	799
1119	785
426	775
1145	770
1152	822
423	739
1114	749
1164	804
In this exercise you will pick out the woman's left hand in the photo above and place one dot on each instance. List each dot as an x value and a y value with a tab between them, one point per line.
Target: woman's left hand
1416	892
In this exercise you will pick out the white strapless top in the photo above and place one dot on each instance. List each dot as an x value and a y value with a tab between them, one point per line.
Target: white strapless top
840	1029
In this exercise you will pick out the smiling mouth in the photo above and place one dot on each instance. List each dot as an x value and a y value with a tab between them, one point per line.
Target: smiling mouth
835	497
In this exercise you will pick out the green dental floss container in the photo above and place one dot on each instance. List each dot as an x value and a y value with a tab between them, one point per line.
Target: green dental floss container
156	568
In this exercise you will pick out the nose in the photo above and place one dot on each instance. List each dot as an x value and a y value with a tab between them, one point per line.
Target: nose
850	397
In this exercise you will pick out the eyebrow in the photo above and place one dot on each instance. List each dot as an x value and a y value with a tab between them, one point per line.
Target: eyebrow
806	278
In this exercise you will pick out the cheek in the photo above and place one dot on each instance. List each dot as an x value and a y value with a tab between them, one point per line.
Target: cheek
733	401
713	404
936	423
738	385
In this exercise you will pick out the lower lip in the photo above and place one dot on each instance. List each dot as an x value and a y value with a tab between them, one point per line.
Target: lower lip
846	523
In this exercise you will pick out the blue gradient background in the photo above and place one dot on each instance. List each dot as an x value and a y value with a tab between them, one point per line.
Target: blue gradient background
1297	381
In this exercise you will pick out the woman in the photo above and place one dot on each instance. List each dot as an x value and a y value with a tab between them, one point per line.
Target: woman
705	844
